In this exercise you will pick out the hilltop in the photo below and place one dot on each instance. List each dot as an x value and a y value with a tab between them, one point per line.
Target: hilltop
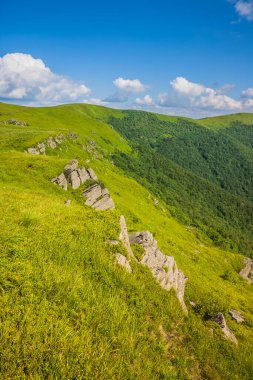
68	309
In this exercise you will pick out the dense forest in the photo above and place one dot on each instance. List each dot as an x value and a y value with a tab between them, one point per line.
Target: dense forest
205	176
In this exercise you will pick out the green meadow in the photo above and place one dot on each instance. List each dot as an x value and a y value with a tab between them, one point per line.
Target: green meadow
67	311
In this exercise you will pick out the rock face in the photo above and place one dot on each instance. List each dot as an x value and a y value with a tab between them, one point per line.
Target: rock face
220	319
124	236
122	260
236	316
51	142
247	271
98	198
163	267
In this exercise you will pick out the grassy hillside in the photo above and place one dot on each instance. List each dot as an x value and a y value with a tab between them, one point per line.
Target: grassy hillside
67	311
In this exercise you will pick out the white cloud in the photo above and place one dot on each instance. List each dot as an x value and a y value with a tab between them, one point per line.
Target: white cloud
187	88
129	85
225	89
247	93
96	101
25	78
245	9
146	101
219	102
249	103
202	96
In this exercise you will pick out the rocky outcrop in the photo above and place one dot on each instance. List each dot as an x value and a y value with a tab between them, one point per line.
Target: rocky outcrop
124	236
51	142
73	175
163	267
229	335
236	316
247	271
98	197
122	261
16	122
61	181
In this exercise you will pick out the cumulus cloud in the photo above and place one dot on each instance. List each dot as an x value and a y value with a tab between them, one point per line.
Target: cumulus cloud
219	102
129	85
247	93
23	77
146	101
201	96
245	9
187	88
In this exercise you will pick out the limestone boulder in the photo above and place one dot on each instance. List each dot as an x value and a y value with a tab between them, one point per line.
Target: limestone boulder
122	261
229	335
83	174
74	179
51	143
61	181
236	316
33	150
124	236
163	267
92	174
92	194
105	203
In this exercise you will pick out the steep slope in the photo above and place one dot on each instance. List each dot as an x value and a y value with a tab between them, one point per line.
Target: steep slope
206	175
67	310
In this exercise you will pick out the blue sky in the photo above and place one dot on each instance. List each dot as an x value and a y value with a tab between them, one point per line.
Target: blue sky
192	58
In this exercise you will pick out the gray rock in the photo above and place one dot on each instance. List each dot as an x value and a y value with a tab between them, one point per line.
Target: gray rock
229	335
58	139
236	316
70	167
51	143
122	260
74	179
92	174
105	203
83	174
67	202
105	191
16	122
124	236
33	150
42	148
92	194
247	271
163	267
61	181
